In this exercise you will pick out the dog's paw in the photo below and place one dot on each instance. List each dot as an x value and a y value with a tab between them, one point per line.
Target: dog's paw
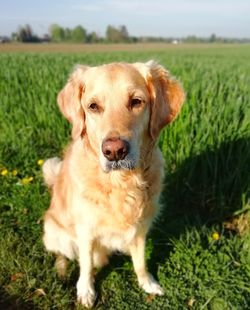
86	296
151	286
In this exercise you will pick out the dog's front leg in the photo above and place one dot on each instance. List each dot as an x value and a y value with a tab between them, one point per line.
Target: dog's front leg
85	285
145	279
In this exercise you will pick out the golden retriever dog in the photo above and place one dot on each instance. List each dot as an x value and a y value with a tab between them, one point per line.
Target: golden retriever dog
105	191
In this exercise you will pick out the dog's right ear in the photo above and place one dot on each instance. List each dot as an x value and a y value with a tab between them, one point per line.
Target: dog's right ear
69	101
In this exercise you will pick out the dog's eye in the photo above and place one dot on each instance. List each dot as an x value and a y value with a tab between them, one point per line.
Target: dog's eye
94	107
135	103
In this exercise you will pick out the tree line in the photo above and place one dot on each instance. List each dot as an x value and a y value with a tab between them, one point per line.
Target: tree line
77	34
120	34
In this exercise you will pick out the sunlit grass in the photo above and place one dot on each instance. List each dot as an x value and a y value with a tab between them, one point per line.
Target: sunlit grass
201	262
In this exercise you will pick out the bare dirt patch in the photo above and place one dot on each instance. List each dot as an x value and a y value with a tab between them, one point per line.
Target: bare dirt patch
89	48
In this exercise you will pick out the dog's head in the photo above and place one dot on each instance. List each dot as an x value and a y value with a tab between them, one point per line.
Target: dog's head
120	108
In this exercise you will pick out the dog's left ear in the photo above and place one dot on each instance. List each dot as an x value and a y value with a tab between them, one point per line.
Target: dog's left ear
167	95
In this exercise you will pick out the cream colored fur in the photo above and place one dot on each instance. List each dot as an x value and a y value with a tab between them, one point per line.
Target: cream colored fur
96	210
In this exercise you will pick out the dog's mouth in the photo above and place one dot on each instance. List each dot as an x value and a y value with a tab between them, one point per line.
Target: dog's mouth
124	164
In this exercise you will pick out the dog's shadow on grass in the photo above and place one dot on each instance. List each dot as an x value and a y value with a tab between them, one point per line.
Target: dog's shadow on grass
206	189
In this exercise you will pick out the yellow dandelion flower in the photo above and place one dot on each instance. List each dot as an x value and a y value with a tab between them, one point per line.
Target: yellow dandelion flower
40	162
215	236
4	172
14	172
26	181
191	302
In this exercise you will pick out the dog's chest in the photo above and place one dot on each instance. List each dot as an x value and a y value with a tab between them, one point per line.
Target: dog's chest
117	211
114	210
115	239
118	221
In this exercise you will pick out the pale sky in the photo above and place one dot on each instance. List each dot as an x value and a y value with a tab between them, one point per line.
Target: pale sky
228	18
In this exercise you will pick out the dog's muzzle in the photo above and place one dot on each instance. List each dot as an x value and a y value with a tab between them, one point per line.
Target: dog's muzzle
117	154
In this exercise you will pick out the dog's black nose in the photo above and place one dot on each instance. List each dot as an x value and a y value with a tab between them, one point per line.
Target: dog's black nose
115	148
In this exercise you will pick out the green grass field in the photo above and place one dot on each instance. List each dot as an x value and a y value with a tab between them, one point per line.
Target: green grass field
207	152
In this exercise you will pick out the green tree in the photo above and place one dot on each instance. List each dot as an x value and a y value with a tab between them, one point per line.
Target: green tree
78	34
117	35
213	38
124	33
67	34
57	33
25	34
113	35
93	37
